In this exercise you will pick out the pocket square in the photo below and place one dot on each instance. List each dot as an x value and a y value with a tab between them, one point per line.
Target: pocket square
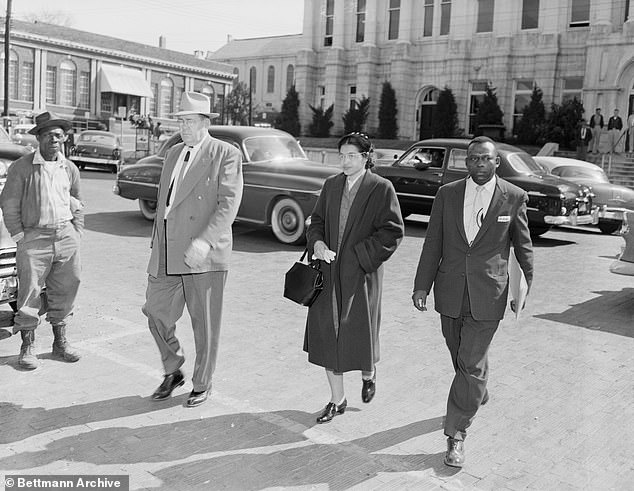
504	218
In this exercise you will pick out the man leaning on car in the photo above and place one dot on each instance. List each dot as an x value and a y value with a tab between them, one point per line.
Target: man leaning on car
42	210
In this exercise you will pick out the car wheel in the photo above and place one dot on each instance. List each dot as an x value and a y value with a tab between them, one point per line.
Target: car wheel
288	221
609	228
148	209
539	230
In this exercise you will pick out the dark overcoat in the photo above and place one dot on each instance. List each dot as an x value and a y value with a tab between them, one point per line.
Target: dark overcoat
373	231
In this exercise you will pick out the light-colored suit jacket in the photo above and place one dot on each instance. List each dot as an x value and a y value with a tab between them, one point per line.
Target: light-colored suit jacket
204	206
447	261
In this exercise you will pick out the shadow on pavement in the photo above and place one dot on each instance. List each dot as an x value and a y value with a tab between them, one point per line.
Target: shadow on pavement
20	422
340	465
121	223
542	241
247	239
611	311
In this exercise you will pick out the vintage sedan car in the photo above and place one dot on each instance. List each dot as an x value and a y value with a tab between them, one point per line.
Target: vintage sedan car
386	156
611	199
95	148
281	185
20	136
9	152
428	164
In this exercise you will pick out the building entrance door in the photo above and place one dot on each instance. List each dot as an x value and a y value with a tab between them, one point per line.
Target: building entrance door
629	141
427	113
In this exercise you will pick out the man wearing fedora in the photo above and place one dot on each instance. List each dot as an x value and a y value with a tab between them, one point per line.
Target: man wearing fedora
198	199
43	212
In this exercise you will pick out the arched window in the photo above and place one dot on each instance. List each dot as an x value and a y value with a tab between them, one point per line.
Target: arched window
252	78
68	83
290	77
166	97
13	73
270	79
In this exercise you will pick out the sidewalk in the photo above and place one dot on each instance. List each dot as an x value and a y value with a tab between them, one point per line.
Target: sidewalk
560	384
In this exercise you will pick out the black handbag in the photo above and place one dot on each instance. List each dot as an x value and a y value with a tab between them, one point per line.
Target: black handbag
303	282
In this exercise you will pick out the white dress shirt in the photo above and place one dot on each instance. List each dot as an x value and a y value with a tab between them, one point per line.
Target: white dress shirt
174	181
487	191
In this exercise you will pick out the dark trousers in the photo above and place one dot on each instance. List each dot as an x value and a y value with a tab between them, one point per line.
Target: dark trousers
468	341
166	298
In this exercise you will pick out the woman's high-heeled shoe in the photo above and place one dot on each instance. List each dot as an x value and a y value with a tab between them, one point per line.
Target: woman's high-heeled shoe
331	410
369	388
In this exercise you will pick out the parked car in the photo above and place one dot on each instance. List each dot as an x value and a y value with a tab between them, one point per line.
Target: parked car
97	149
429	164
281	185
9	152
20	136
386	156
611	199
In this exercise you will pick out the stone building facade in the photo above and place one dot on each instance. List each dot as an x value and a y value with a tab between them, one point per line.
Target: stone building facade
568	48
88	77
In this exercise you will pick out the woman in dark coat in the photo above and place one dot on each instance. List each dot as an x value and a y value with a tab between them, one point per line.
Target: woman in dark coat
355	227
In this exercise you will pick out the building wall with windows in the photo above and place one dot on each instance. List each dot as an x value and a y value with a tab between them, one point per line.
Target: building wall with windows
88	77
569	48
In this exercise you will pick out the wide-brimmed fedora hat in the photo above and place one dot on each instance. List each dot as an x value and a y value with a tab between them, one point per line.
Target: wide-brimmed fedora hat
47	120
195	103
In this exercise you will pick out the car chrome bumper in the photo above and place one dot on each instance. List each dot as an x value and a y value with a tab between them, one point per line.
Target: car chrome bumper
574	219
94	160
617	214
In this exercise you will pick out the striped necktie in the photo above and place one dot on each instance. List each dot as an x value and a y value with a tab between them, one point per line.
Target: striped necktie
180	177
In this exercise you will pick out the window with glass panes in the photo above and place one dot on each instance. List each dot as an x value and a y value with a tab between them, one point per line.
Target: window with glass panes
485	16
68	83
394	17
445	16
478	91
580	13
154	100
290	77
530	14
428	22
84	90
360	37
106	102
13	74
330	22
572	88
523	92
27	81
252	78
51	85
270	79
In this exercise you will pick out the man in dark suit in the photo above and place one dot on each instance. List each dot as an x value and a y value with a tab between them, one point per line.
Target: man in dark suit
473	223
584	136
596	126
198	199
615	126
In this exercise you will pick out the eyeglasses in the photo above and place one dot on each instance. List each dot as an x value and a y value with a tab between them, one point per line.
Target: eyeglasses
350	156
188	122
474	159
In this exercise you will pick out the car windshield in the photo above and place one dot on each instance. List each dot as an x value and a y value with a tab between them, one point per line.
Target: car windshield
274	147
97	138
523	163
572	172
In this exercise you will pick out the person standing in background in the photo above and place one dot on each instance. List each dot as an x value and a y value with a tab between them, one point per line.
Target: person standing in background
596	125
615	126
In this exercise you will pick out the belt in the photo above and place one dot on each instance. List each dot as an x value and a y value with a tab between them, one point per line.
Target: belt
54	226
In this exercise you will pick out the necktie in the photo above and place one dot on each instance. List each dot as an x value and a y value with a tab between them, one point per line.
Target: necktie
180	177
477	214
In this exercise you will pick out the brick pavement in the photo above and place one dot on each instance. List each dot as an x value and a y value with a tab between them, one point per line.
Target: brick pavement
561	382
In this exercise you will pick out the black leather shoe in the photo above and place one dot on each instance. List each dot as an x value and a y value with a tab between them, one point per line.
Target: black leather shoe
331	410
197	398
485	399
170	382
455	453
369	388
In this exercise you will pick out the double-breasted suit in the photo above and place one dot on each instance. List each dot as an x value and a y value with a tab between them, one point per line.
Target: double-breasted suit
471	284
203	207
346	337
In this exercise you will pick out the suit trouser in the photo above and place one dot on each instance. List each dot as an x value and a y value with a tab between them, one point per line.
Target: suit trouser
596	138
468	341
166	298
47	257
